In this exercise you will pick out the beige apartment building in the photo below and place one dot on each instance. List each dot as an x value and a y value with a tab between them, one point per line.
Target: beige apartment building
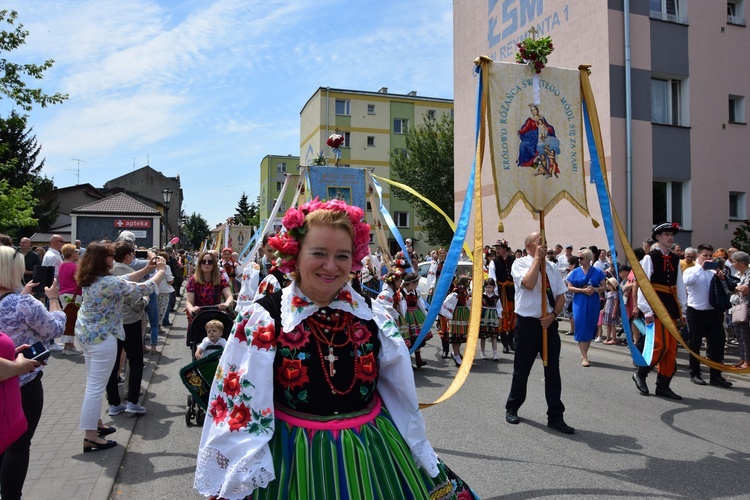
670	87
373	124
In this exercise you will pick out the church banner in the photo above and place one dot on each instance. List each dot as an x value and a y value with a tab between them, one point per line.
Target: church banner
348	184
536	137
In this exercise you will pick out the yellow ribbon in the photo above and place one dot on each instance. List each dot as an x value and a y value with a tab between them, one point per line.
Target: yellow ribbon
643	282
430	203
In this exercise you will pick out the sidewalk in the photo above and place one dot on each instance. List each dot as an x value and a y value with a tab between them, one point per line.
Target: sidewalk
58	468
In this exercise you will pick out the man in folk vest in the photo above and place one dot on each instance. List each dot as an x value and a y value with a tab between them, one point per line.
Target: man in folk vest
662	268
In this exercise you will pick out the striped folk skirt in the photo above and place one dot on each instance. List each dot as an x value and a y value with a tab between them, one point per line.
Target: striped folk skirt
362	457
458	327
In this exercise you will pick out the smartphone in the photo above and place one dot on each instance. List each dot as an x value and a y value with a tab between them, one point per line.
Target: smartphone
709	264
141	254
38	352
45	276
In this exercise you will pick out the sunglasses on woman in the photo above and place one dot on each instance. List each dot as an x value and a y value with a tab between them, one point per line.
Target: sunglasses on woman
208	262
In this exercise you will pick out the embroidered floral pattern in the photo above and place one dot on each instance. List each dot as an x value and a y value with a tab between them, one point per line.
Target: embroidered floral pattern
345	296
218	409
264	336
296	339
292	374
299	303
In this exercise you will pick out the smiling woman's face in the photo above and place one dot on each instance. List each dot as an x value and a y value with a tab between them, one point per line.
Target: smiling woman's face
324	263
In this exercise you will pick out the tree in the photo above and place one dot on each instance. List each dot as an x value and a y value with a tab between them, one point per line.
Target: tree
426	165
197	230
20	166
15	210
12	84
741	240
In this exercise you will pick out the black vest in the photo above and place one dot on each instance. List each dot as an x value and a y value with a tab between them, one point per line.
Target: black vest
665	269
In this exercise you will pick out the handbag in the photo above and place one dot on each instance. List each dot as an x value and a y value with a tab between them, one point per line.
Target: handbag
739	312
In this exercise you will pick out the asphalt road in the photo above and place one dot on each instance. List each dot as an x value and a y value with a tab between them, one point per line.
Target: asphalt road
626	445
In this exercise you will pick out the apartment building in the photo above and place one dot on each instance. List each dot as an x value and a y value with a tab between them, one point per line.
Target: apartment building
274	170
670	90
373	124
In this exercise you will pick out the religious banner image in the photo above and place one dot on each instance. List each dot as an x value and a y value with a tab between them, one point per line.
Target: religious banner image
348	184
536	137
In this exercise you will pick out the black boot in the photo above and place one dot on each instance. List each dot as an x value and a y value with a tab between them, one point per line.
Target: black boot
504	340
418	359
663	390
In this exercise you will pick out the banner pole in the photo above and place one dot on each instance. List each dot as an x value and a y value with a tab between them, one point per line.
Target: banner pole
543	271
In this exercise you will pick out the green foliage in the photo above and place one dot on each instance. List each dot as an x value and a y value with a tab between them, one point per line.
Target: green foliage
197	230
16	210
12	83
20	166
741	240
427	166
248	214
319	161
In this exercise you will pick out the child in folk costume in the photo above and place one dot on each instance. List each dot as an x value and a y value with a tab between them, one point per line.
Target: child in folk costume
611	313
414	311
390	299
492	311
458	321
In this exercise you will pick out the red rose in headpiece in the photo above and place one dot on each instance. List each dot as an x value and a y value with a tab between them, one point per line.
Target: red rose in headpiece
293	219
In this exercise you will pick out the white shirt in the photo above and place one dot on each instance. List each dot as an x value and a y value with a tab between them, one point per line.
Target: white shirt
206	343
52	257
529	302
698	285
562	265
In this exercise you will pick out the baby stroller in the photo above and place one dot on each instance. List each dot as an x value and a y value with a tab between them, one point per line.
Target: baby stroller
197	375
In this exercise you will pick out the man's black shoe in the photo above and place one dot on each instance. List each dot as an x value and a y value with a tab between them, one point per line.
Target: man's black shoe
666	392
511	416
720	382
697	380
640	383
561	426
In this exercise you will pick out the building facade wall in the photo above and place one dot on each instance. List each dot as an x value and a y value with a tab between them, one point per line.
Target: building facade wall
698	53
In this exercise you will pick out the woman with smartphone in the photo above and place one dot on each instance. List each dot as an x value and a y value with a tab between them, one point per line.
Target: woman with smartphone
26	321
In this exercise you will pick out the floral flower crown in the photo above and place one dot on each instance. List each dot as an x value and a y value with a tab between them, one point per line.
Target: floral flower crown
287	244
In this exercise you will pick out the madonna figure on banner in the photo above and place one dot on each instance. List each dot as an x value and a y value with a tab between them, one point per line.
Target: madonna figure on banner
314	395
536	133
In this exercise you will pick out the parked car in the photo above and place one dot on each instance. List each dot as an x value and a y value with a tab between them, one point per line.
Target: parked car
424	267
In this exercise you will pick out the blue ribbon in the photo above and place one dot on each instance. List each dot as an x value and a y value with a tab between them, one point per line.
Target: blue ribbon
389	222
606	208
462	227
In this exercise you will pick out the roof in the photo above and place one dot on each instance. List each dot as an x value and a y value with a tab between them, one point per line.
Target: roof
117	204
43	238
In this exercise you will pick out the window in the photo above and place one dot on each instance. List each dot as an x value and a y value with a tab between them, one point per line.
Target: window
401	219
400	125
403	152
372	238
347	140
369	207
342	107
737	206
736	109
370	109
669	201
430	114
666	101
370	141
281	167
736	12
674	11
279	185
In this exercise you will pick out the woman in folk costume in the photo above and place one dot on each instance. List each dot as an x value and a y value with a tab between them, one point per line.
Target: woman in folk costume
314	395
489	325
458	320
500	271
414	312
390	299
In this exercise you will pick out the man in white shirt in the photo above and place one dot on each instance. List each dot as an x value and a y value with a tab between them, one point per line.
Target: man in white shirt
52	257
528	336
563	259
703	320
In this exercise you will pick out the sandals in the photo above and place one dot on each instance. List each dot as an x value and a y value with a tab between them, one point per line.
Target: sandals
89	445
105	431
585	363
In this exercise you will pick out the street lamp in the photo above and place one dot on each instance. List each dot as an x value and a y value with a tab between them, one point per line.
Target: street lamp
166	196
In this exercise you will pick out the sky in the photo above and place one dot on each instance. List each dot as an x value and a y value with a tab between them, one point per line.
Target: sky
207	88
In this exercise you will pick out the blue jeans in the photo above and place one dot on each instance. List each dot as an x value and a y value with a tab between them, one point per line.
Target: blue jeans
152	309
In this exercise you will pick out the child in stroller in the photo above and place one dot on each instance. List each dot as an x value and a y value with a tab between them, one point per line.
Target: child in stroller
213	340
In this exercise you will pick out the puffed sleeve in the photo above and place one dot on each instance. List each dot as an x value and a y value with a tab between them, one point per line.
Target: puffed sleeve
234	457
398	391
